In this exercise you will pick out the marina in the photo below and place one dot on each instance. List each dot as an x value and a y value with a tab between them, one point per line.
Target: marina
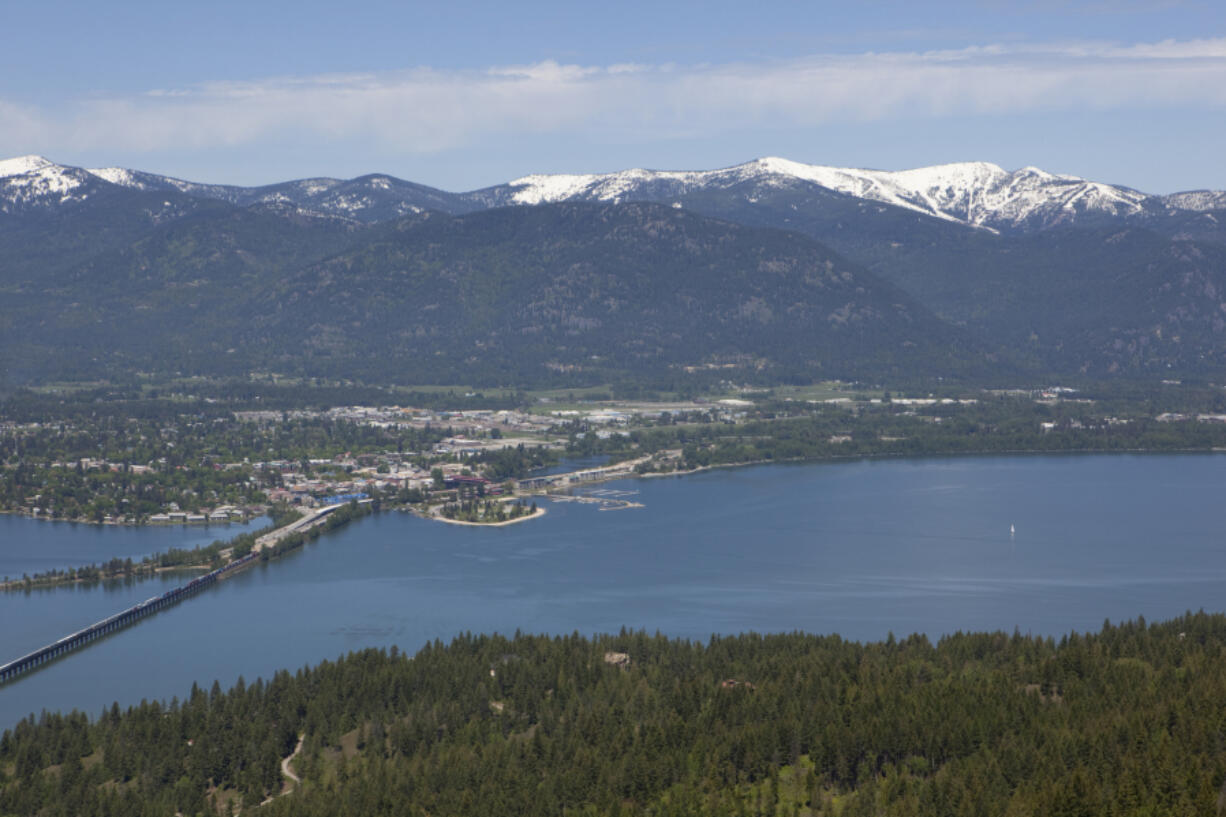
606	499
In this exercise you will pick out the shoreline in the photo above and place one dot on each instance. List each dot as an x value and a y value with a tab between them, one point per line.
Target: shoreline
649	474
113	524
299	525
15	585
1027	452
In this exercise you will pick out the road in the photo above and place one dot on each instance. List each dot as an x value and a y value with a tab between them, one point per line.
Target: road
311	517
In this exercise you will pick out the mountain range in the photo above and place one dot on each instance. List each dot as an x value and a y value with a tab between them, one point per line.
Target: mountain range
975	194
772	267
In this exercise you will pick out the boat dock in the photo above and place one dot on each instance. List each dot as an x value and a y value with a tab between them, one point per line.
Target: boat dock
607	499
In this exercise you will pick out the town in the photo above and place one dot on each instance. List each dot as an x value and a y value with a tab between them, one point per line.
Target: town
206	462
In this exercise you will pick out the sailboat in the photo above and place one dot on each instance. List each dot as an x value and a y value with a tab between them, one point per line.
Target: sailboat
1012	530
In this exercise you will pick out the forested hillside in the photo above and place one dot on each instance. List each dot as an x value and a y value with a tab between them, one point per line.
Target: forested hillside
1102	299
1130	720
508	296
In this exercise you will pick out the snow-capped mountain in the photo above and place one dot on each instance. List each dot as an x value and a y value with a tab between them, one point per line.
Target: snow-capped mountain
978	194
139	180
370	198
30	182
23	164
975	194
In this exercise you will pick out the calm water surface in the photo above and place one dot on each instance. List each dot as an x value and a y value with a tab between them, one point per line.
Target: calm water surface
36	546
861	549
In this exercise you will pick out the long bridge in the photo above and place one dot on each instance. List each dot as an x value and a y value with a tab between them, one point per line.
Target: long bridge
118	621
136	612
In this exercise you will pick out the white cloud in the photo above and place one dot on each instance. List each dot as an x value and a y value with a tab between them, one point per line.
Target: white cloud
426	110
1175	49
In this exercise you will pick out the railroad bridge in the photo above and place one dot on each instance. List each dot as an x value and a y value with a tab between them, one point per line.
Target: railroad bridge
136	612
118	621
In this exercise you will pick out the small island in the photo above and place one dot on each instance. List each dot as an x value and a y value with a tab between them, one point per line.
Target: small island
486	512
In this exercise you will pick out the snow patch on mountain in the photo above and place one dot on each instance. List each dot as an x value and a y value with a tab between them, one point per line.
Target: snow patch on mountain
933	190
34	182
1198	200
547	188
46	181
23	164
118	175
315	187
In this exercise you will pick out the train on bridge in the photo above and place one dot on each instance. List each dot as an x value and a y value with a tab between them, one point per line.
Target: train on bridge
136	612
118	621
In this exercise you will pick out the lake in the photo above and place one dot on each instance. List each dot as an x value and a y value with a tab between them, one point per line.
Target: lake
36	546
859	548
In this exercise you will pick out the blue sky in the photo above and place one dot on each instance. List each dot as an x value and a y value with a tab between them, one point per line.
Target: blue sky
465	94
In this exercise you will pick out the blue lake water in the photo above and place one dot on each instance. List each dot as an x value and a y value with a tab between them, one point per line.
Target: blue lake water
858	548
35	546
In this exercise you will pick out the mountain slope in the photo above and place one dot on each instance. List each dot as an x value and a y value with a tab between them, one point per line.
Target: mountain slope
171	299
516	295
615	288
1070	275
1088	301
53	217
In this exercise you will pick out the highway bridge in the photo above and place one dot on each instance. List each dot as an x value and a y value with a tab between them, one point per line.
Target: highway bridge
615	471
308	519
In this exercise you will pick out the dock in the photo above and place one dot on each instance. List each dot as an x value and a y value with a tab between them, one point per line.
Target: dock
607	500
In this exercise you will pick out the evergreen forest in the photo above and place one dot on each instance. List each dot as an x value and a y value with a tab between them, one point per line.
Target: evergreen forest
1130	720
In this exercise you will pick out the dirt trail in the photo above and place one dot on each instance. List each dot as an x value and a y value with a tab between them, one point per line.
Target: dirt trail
288	773
285	769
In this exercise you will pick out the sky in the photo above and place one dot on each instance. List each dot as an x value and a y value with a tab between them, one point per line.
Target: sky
468	93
